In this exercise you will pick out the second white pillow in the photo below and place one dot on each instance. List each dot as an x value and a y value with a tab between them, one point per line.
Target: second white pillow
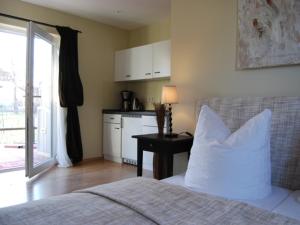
234	166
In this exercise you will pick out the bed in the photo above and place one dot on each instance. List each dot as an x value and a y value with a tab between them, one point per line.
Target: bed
282	201
148	201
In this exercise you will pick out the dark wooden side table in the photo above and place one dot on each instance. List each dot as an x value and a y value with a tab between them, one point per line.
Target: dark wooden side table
163	148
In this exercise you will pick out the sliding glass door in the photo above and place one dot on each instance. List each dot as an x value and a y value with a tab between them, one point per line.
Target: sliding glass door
39	100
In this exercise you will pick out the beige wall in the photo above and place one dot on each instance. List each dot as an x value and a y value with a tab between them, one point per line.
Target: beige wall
97	45
149	91
203	59
203	35
149	34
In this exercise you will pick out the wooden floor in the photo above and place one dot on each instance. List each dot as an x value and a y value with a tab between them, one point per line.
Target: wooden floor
16	189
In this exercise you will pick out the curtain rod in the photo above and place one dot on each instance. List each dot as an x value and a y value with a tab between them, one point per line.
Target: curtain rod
28	20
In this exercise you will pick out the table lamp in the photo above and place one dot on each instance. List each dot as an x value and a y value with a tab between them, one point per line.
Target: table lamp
169	96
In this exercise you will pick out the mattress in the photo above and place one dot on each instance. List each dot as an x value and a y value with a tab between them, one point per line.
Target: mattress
269	203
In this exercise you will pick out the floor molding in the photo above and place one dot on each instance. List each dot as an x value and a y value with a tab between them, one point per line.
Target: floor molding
91	159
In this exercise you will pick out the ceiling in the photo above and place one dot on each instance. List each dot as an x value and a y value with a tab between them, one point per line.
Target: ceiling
126	14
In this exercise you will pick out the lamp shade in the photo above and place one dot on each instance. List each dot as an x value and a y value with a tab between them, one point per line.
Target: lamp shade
169	95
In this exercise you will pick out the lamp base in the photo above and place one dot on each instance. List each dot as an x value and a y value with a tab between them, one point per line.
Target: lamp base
171	135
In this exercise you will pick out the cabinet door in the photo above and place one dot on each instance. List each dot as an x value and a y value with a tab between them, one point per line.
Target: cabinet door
130	126
141	62
162	59
112	141
123	65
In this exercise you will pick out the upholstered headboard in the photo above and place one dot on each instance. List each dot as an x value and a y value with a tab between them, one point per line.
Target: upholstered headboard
285	137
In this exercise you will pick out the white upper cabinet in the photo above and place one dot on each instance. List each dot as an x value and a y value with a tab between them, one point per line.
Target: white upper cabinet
141	66
123	62
162	59
144	62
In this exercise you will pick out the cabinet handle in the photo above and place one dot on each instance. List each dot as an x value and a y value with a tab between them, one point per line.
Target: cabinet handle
117	128
157	72
128	76
111	118
147	74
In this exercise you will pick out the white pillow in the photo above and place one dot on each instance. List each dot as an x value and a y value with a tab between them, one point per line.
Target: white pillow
234	166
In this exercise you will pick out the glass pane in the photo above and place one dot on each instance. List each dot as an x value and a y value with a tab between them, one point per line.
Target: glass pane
12	98
42	95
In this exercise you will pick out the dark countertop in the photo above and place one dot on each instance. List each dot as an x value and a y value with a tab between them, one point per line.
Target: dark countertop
118	111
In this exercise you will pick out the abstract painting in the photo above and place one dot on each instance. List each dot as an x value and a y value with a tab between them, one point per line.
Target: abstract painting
268	33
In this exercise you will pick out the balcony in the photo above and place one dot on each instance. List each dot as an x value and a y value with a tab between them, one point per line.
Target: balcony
12	150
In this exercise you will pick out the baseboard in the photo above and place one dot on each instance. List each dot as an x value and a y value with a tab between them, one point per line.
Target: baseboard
112	158
92	159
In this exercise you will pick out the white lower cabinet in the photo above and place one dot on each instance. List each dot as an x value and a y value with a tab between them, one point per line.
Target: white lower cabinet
112	142
149	127
118	144
130	126
135	126
148	156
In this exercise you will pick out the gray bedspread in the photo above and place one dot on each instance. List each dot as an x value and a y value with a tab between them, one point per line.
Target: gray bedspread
138	201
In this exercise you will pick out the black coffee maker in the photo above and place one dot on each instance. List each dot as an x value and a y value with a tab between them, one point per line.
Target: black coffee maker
126	97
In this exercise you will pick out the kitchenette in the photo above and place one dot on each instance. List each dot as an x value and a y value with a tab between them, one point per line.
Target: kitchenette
120	125
118	129
148	62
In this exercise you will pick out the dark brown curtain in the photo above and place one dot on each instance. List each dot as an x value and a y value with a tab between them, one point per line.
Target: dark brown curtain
70	89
